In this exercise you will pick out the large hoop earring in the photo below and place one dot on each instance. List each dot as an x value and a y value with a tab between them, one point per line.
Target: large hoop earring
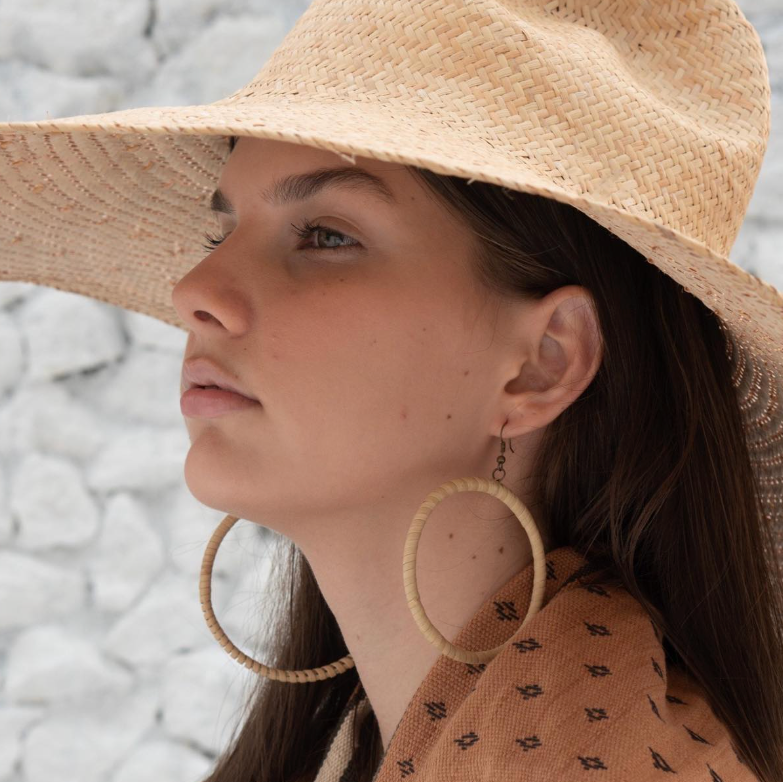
430	632
205	595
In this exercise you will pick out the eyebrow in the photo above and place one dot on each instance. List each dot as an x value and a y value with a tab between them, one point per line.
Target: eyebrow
299	187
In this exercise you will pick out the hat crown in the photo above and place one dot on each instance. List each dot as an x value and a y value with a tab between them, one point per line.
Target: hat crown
661	109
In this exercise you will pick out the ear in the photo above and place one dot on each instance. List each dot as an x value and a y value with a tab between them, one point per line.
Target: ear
561	350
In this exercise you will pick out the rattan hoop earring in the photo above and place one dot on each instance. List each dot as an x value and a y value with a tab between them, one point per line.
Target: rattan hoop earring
205	595
496	489
431	633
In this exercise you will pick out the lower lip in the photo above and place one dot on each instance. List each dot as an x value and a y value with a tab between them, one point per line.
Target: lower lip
212	402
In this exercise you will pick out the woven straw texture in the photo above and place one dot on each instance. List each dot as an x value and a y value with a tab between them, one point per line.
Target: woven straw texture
650	117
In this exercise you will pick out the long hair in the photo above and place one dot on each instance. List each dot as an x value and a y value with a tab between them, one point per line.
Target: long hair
647	474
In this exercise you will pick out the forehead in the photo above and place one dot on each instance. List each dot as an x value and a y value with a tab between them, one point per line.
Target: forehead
271	154
280	173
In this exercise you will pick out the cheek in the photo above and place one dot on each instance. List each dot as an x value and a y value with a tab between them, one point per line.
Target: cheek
342	347
367	349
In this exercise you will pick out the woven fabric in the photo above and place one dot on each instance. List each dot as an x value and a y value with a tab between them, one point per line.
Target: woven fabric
583	687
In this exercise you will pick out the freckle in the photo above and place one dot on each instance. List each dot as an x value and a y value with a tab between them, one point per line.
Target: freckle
403	414
501	549
473	557
448	416
467	372
451	534
423	328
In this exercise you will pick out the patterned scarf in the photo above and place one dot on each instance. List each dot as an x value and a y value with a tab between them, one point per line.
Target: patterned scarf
582	691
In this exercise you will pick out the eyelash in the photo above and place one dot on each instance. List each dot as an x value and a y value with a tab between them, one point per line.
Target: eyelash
304	231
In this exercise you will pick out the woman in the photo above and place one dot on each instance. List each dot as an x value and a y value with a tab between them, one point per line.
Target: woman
384	332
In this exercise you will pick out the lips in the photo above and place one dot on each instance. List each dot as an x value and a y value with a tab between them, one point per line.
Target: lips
201	372
198	402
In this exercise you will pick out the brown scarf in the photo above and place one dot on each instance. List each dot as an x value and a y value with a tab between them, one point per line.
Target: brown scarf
581	692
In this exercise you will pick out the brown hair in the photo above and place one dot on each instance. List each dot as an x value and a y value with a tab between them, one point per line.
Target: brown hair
628	476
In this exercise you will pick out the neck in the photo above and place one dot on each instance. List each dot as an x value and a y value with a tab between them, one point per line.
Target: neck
468	549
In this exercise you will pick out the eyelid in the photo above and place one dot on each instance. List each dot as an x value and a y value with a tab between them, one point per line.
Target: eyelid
212	241
307	229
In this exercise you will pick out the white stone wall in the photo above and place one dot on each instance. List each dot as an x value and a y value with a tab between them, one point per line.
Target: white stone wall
108	672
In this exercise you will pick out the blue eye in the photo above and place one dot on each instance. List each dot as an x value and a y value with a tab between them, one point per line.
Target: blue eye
303	231
308	228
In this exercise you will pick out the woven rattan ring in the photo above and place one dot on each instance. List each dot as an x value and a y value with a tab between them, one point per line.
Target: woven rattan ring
205	593
514	504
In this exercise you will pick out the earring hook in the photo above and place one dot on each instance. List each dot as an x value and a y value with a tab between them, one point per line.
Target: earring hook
502	446
501	459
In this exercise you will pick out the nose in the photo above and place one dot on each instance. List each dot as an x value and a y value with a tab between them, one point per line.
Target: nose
207	298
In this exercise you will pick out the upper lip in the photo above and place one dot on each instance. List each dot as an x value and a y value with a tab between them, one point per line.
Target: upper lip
201	371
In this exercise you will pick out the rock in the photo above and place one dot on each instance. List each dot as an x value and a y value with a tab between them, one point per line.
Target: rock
235	46
768	192
51	503
13	292
14	722
12	363
752	7
49	664
767	261
7	530
47	418
67	333
145	387
179	21
158	759
32	592
166	621
128	556
142	459
85	745
202	697
28	88
148	332
79	37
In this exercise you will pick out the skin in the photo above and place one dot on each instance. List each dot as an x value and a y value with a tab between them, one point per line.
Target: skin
382	372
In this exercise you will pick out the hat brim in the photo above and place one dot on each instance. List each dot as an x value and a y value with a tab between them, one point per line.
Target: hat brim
113	205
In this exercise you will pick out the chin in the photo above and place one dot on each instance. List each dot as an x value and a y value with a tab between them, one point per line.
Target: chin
205	479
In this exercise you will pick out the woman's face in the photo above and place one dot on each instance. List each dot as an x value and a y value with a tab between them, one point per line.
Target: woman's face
376	363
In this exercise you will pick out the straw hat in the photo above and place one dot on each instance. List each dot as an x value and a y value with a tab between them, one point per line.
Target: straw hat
652	118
